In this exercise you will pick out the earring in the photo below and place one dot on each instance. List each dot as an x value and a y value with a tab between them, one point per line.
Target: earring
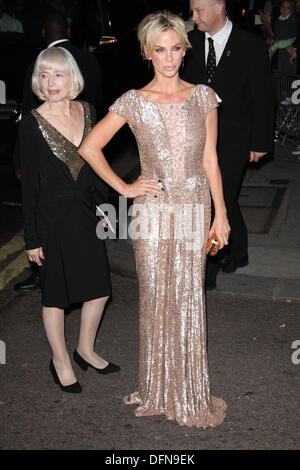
149	64
182	62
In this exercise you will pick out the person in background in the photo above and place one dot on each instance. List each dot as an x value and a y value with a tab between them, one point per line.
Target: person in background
228	59
7	22
266	17
285	32
56	32
252	14
294	49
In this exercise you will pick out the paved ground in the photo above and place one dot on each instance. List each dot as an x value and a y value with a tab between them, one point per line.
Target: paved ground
253	322
249	343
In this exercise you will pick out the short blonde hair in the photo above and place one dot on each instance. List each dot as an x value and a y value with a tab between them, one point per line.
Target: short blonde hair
154	24
57	58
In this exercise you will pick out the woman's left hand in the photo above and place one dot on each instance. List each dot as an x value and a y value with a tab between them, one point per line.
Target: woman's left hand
221	228
36	255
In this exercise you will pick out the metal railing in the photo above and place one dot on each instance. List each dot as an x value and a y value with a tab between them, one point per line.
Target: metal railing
287	114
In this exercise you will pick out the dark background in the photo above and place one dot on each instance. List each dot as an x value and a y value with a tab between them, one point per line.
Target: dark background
121	63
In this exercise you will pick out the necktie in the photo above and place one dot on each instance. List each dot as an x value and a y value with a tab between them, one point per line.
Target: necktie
211	60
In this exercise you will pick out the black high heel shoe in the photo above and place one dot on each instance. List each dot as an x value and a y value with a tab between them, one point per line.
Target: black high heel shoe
84	365
73	388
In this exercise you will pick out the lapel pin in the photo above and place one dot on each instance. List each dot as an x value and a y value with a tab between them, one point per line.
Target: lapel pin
228	53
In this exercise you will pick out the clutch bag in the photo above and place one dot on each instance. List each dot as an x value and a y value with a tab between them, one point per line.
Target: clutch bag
213	245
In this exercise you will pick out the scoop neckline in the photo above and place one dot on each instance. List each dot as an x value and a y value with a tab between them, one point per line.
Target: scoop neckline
172	102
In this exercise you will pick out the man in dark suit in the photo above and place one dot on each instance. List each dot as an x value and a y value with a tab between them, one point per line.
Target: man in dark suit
56	34
236	65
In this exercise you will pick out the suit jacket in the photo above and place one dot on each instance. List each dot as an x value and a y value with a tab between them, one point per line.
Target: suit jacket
243	81
90	69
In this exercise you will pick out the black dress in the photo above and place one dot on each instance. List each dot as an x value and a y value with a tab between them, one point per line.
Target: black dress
60	192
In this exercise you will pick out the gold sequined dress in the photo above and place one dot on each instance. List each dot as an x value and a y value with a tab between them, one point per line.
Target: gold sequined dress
59	193
170	260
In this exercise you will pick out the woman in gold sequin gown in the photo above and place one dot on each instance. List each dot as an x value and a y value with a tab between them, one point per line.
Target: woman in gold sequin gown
59	206
175	125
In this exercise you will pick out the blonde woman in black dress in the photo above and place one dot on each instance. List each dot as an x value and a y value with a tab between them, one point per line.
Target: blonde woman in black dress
59	193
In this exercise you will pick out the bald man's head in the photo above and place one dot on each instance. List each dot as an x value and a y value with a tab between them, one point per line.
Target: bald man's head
55	27
208	15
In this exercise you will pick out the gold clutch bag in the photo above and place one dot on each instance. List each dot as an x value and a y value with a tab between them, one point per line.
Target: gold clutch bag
213	245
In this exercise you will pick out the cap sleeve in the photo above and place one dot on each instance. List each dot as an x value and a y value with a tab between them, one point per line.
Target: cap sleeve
123	106
210	99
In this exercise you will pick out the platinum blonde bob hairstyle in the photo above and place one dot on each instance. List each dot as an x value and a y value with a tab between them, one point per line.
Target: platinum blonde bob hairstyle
154	24
60	60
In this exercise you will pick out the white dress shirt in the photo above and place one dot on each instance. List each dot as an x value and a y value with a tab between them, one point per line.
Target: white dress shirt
283	18
220	40
57	42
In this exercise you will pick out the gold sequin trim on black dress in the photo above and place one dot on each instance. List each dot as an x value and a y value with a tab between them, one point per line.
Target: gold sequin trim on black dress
63	148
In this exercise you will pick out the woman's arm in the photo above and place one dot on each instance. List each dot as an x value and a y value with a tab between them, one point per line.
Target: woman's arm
91	151
282	44
220	224
266	19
